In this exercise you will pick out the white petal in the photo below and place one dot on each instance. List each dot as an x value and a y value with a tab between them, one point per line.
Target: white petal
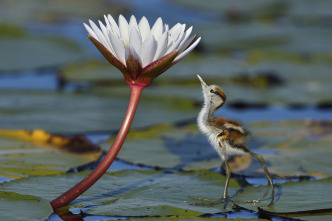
103	28
148	50
184	40
186	43
135	39
174	27
188	32
106	36
133	52
144	28
118	47
157	29
99	33
91	32
124	31
179	32
188	50
177	42
174	31
166	28
170	43
107	22
114	26
132	23
162	45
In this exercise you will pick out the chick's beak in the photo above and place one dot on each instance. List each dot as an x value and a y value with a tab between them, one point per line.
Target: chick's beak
204	84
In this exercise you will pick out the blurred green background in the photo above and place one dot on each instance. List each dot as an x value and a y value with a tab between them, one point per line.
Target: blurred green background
271	57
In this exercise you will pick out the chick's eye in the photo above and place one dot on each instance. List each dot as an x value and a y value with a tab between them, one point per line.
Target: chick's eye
211	91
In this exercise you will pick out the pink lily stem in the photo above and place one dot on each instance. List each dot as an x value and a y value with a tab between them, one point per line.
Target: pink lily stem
88	181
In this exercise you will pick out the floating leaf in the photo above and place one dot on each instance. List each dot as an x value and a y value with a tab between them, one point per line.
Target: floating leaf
178	147
24	53
133	193
168	147
308	200
288	149
297	148
14	206
83	112
76	144
25	158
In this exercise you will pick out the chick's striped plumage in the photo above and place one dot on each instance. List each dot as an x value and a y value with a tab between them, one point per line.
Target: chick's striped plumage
231	133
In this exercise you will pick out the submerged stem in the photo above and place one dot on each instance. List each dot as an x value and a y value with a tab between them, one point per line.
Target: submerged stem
88	181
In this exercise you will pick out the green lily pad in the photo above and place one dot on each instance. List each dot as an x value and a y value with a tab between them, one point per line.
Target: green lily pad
133	193
30	52
175	147
288	149
14	206
81	112
295	148
303	197
20	158
168	147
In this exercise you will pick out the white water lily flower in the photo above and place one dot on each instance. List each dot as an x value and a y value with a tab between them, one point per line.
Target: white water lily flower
140	52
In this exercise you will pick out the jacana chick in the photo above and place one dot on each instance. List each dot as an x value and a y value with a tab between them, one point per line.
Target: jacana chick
226	136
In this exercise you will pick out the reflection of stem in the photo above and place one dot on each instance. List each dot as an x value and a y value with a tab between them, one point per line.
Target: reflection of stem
88	181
